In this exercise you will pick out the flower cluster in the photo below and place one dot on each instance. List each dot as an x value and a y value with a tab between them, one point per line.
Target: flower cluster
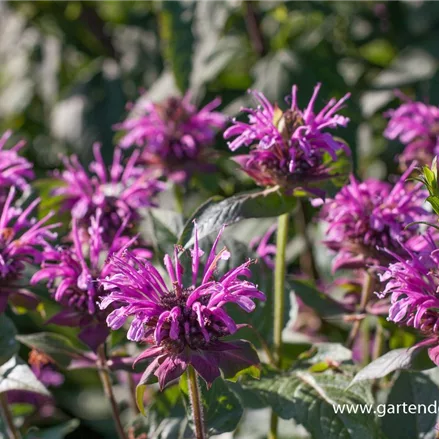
15	171
183	322
263	248
72	275
416	125
367	217
290	148
23	240
173	135
119	192
412	283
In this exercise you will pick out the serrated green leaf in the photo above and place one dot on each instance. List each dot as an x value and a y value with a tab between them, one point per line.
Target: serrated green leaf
309	398
58	347
398	359
411	388
212	215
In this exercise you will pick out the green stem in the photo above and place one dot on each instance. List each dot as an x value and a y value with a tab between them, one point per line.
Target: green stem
11	429
108	389
279	300
366	293
178	196
307	260
197	408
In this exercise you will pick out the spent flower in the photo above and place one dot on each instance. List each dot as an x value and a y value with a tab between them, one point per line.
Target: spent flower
292	148
184	321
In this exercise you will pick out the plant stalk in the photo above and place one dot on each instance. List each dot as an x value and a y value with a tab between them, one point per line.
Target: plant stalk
366	292
108	389
197	408
279	300
307	260
11	429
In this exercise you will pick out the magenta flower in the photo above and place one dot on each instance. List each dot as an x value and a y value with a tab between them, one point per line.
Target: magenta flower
366	218
290	148
23	240
183	322
119	192
412	282
72	274
263	248
15	171
174	135
416	125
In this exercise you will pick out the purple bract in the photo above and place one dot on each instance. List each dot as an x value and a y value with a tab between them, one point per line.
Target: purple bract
183	320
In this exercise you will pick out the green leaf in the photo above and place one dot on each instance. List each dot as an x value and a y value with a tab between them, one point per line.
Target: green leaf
411	388
140	392
318	301
17	375
324	352
58	347
165	418
255	204
176	32
309	399
8	344
394	360
222	409
56	432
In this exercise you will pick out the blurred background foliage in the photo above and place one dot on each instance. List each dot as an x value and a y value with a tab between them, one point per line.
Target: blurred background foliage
67	70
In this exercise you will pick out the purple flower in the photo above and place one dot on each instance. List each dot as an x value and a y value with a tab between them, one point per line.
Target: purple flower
184	321
416	125
174	135
23	240
119	192
263	248
290	148
366	218
72	274
14	169
412	282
